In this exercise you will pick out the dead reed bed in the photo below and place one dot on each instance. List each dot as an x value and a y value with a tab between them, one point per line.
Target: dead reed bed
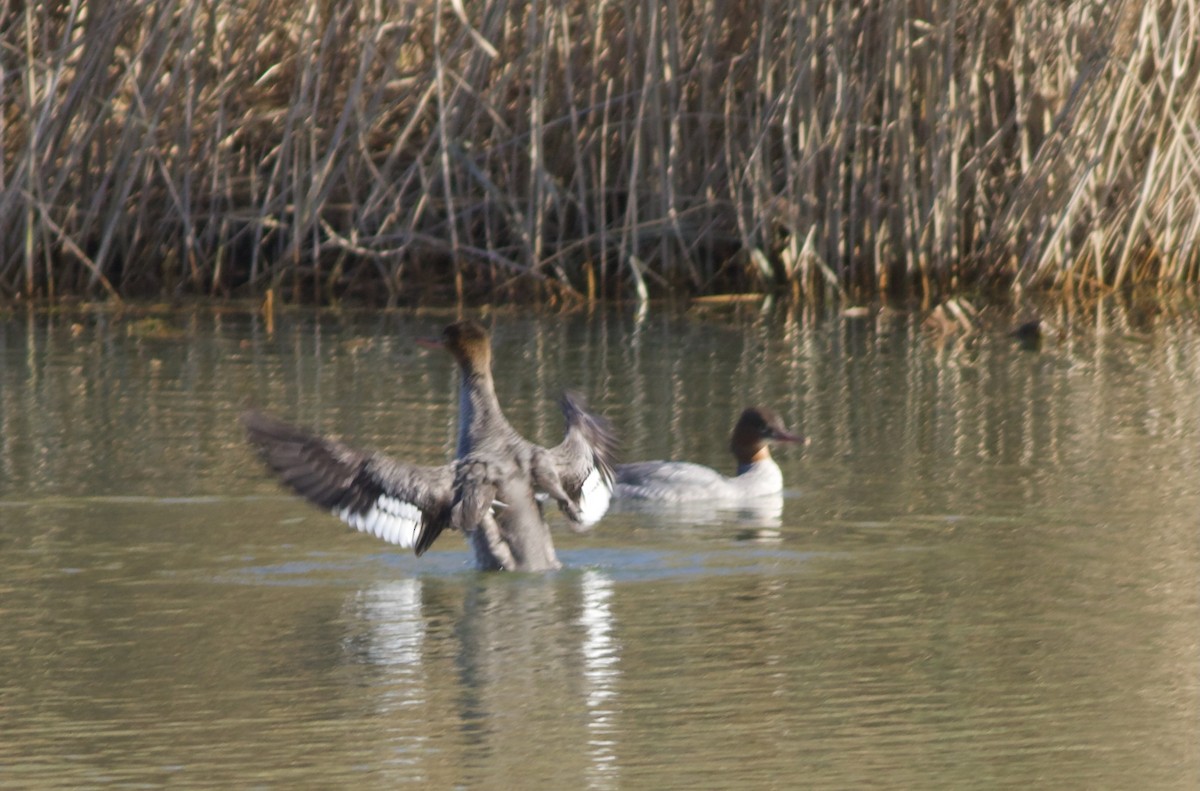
482	149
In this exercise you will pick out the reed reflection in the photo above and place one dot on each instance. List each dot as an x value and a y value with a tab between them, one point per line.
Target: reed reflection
979	542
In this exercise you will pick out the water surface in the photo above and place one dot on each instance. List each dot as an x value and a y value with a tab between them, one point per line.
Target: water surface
983	573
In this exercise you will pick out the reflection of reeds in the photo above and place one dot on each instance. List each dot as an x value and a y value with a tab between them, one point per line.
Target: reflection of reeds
345	148
145	402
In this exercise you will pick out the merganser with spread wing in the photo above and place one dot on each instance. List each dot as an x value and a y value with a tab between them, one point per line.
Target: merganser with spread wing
489	491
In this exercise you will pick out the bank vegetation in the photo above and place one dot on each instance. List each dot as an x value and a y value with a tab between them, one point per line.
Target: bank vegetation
476	149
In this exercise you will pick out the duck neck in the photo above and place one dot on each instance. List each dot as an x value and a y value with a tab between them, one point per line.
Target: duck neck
478	409
749	453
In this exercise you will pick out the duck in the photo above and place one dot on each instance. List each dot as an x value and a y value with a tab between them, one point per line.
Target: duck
685	482
493	490
1028	335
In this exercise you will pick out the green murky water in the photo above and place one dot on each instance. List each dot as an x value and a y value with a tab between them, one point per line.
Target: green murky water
984	573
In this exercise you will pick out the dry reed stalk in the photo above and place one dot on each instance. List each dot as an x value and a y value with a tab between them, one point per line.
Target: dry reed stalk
501	150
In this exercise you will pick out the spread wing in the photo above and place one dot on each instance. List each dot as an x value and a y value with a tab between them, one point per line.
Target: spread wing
401	503
584	459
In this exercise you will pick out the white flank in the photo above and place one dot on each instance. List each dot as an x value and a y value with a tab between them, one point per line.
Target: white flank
395	521
594	498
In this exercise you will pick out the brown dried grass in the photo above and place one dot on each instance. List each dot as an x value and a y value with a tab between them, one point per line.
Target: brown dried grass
487	149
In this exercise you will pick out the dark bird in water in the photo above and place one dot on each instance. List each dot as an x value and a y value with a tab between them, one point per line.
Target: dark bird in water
492	491
1028	335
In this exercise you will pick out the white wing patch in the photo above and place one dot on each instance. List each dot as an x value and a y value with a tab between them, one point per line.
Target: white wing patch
594	497
395	521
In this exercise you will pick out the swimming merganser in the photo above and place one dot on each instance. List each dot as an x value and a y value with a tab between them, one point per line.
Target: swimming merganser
681	481
488	491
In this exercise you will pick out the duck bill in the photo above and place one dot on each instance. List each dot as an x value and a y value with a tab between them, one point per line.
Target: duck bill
787	436
430	343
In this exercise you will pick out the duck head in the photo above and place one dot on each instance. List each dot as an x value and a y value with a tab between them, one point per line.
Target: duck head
468	341
755	429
